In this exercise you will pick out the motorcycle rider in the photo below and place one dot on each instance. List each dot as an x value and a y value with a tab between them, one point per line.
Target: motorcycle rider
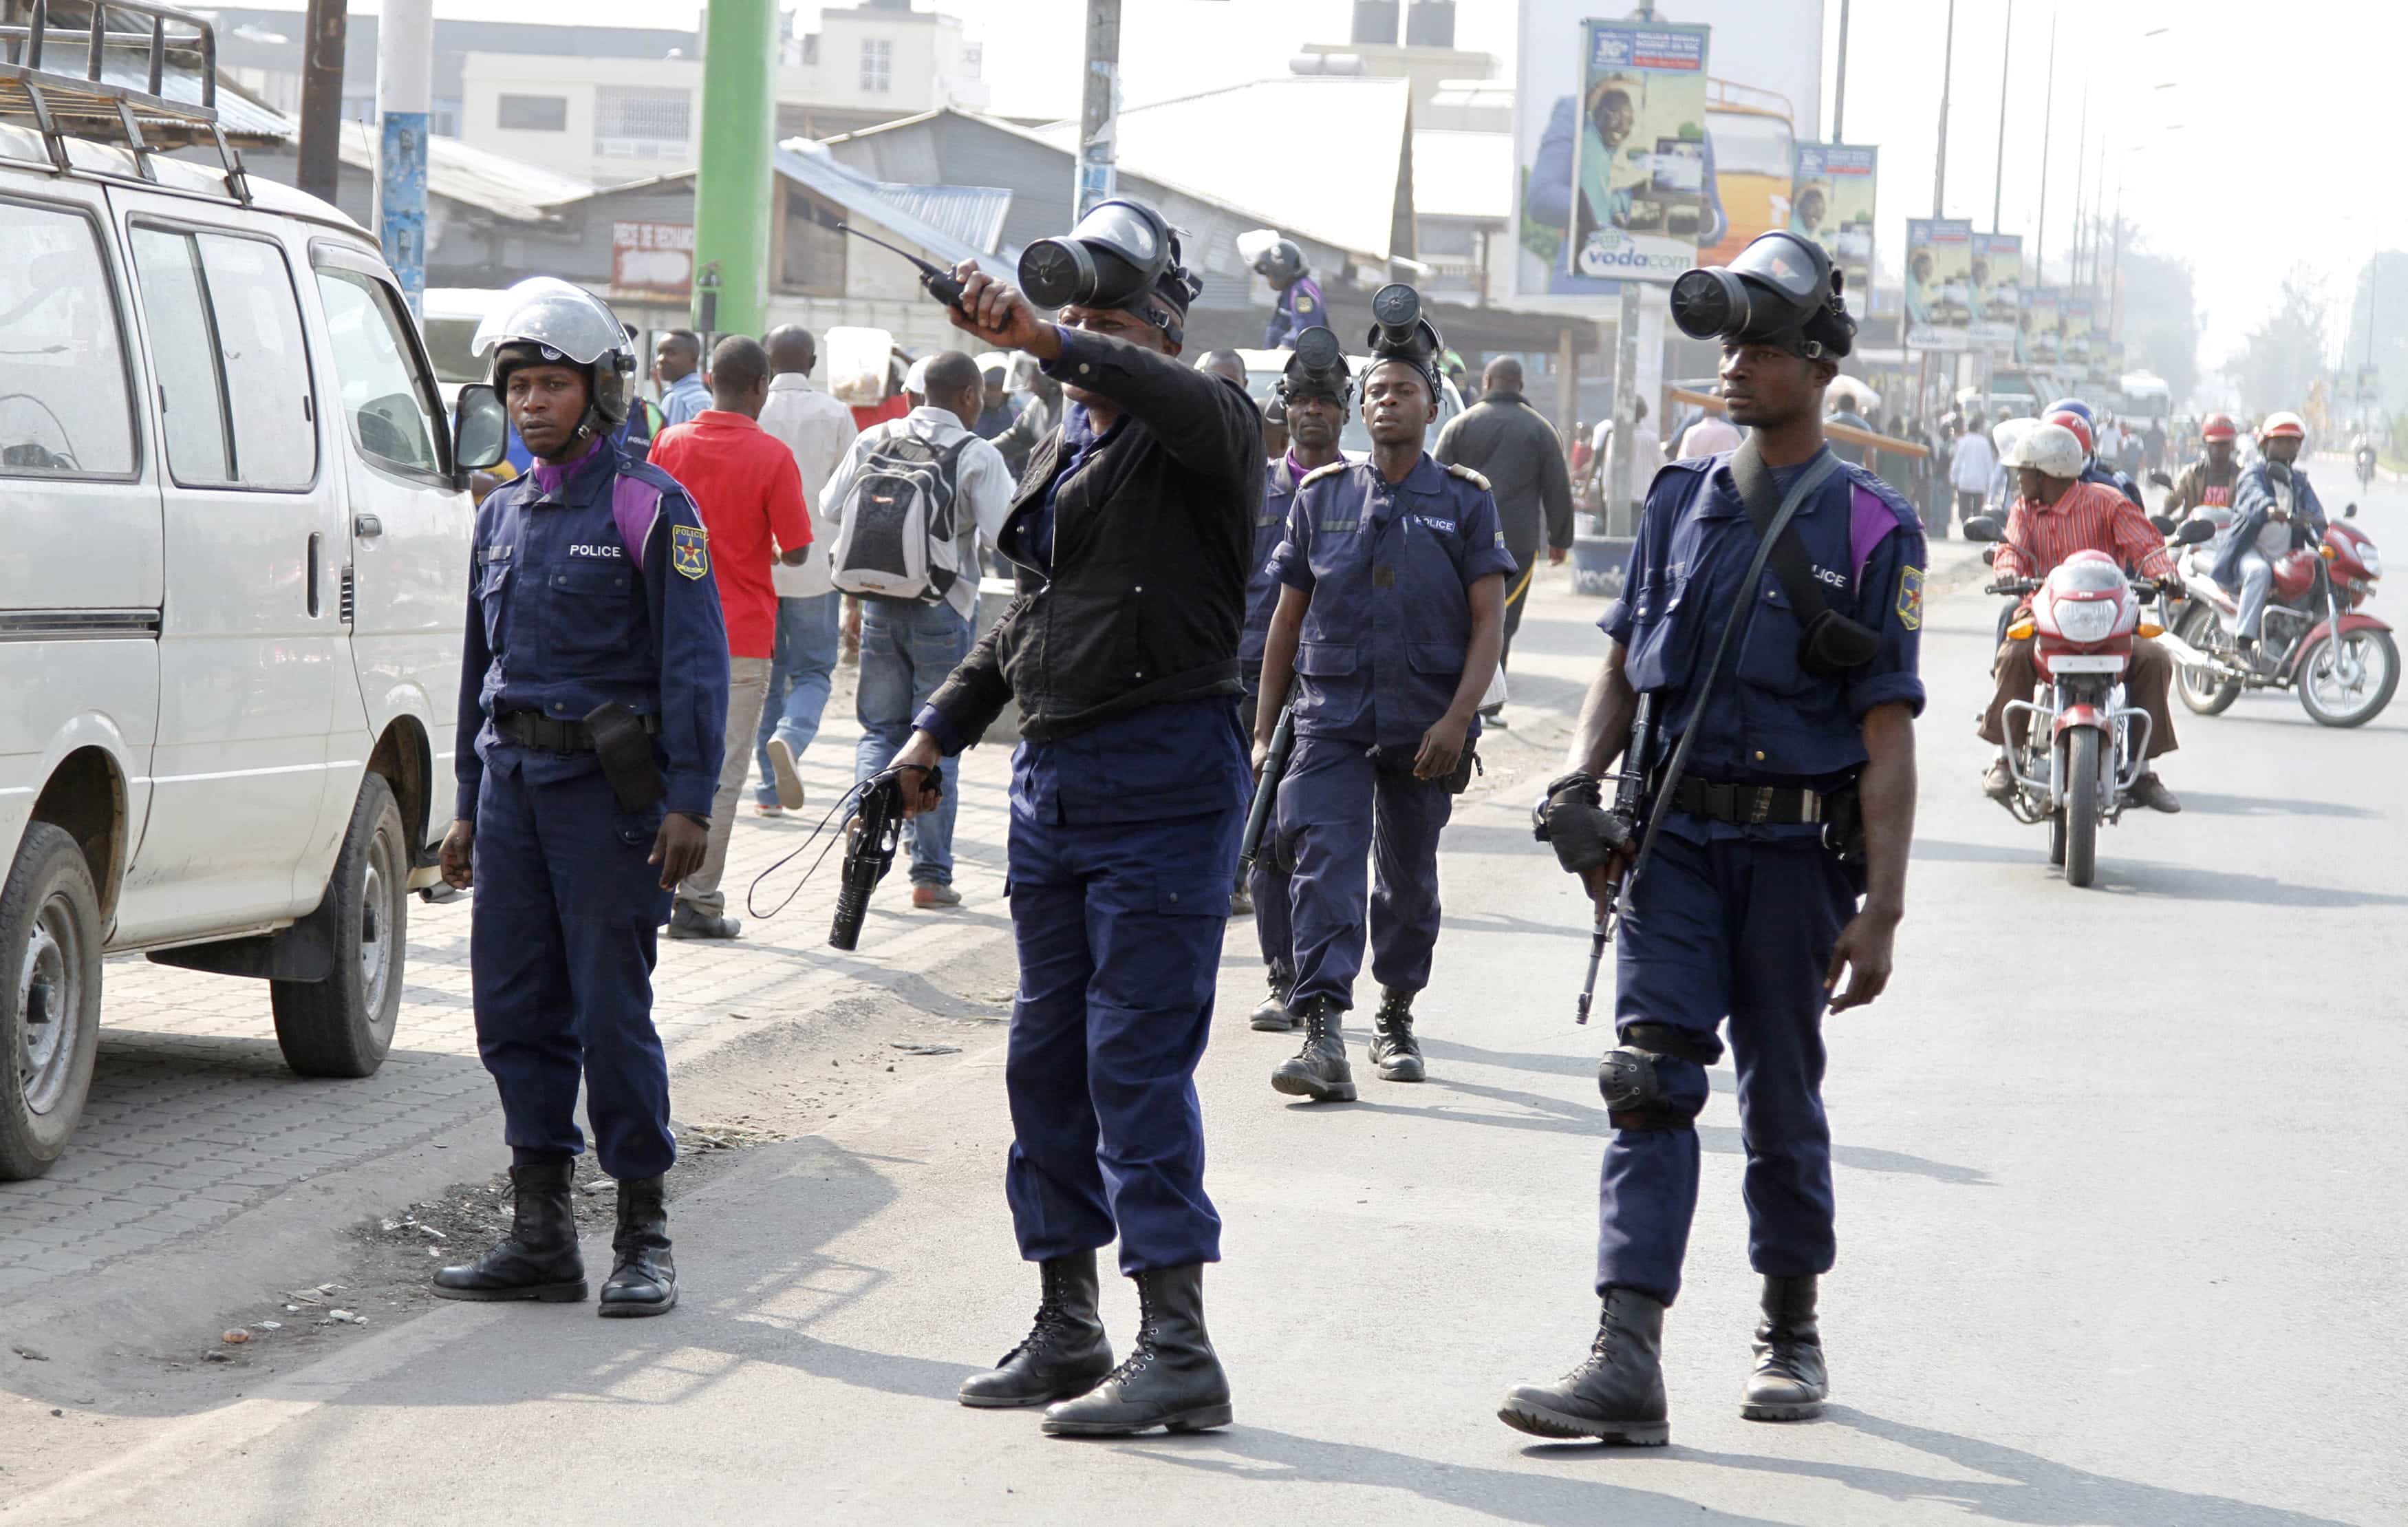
2274	509
2094	470
2207	483
2057	513
2362	451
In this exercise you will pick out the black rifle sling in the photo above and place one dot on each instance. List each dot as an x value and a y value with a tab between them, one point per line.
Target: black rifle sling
1763	501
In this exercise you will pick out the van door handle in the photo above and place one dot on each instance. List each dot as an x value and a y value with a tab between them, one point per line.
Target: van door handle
314	539
367	526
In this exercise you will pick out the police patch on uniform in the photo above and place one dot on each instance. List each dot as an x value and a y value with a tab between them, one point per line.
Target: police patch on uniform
689	550
1910	598
1303	303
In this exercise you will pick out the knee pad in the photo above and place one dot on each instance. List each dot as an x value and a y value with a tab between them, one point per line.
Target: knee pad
1633	1088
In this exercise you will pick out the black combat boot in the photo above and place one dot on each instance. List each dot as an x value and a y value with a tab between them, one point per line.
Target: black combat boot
1790	1381
1318	1070
643	1276
1066	1351
538	1258
1272	1017
1394	1049
1170	1378
1617	1394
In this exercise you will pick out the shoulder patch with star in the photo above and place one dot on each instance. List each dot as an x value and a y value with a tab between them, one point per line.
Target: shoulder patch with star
689	550
1910	598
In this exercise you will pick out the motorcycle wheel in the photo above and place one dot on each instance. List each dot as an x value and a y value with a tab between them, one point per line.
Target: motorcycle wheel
2057	840
2081	806
2202	691
2330	702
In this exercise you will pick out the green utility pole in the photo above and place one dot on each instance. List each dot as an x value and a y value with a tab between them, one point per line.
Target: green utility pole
731	190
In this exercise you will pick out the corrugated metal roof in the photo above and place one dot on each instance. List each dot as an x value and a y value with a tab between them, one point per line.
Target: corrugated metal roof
507	188
240	118
1223	145
972	214
1464	175
977	208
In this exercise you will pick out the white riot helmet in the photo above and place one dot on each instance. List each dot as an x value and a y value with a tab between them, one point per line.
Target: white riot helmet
544	320
2049	449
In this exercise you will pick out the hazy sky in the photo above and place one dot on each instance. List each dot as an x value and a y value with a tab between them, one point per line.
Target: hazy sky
2247	137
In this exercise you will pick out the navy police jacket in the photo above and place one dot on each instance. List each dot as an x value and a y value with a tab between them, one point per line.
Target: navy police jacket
1298	308
2253	503
1280	480
1389	567
1768	721
590	583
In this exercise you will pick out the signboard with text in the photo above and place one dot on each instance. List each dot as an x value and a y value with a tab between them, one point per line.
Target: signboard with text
1939	283
651	260
1831	202
1997	277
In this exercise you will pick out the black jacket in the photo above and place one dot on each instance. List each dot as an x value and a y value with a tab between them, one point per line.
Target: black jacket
1509	442
1152	536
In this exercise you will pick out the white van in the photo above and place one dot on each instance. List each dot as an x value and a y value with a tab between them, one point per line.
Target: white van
234	550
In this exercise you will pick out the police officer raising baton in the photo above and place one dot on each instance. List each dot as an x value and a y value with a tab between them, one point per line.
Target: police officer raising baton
1770	618
1130	536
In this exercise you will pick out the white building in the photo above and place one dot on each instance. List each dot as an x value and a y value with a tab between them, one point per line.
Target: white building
611	119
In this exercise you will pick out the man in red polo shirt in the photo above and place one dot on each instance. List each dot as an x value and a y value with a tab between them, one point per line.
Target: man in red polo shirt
744	482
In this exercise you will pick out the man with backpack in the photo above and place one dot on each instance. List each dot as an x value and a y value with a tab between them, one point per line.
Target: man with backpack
907	508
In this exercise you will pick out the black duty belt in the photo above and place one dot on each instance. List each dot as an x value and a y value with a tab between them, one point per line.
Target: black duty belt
1749	805
531	728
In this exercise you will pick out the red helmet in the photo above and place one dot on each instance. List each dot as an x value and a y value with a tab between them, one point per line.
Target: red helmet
2080	427
2219	427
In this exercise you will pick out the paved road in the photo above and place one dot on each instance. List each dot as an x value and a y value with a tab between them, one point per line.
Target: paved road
2119	1184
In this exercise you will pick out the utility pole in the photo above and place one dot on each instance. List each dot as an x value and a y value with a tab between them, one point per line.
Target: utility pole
1099	107
1840	85
319	168
405	90
1998	174
2081	164
1939	160
2047	131
731	187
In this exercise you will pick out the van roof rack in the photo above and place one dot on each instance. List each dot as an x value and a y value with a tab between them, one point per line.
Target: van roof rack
79	79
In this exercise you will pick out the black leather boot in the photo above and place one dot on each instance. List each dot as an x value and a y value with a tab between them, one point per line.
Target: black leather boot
1790	1382
1617	1394
643	1276
1272	1017
1319	1070
1394	1049
538	1258
1170	1378
1066	1351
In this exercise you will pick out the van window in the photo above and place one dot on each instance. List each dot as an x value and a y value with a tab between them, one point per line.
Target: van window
225	336
63	403
384	393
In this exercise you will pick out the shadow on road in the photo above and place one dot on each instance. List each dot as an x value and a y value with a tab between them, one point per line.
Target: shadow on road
2215	805
2184	883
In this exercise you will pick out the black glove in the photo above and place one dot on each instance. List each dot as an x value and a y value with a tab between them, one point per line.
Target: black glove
1584	834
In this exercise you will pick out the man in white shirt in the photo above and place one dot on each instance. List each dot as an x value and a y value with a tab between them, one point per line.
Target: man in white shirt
817	429
909	647
1709	437
1970	462
1646	458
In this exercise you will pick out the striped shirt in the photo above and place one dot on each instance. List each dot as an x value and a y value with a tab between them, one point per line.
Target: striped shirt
2087	517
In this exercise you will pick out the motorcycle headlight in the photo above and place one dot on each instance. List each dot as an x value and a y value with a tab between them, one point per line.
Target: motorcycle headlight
2085	620
2372	561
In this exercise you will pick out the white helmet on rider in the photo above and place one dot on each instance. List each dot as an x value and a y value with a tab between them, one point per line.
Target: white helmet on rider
2285	425
2050	449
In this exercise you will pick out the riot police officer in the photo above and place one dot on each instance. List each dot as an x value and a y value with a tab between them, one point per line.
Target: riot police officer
593	697
1299	306
1784	723
1315	400
1390	619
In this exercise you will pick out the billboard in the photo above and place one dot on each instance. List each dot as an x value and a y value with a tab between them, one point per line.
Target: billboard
1639	158
651	260
2038	346
1998	291
1939	283
1831	202
1760	68
2074	331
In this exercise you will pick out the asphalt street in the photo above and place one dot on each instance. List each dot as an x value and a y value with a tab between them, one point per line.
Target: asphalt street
2119	1177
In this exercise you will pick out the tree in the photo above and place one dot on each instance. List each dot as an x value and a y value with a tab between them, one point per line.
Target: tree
2283	357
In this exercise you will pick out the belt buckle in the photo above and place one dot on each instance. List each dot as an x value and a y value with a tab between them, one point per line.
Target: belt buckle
1759	809
1810	806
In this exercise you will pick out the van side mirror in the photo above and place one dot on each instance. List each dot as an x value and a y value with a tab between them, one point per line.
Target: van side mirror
1984	527
481	428
2195	531
2350	512
2163	524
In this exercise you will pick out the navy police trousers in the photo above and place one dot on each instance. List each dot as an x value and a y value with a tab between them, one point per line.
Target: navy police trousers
1742	929
1342	806
560	955
1119	929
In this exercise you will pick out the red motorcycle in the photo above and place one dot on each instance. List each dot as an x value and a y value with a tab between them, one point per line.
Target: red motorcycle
2344	663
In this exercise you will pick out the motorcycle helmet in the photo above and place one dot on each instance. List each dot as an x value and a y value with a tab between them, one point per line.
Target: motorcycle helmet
2074	406
2078	425
545	320
2051	449
2219	427
2285	425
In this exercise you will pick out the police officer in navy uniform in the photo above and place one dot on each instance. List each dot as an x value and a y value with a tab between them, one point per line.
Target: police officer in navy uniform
1300	305
1744	910
1129	539
1314	401
1390	620
593	697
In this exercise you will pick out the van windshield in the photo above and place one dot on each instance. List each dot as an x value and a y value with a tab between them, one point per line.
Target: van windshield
447	346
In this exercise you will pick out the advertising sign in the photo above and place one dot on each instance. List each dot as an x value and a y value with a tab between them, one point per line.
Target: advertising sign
1831	202
1939	283
652	259
2039	345
1755	87
2073	329
1998	291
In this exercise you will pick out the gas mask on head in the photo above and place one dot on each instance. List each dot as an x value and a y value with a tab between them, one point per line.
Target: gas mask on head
1400	333
1122	254
1317	368
1781	291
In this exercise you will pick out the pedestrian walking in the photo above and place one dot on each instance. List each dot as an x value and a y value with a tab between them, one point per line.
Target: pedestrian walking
1971	464
1130	791
592	694
915	631
1709	437
995	408
751	496
1512	445
1646	459
676	369
818	430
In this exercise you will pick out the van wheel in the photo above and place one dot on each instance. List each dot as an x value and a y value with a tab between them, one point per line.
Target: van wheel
50	998
343	1026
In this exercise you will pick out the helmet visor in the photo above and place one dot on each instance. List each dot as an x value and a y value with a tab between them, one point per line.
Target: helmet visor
548	311
1121	227
1789	266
